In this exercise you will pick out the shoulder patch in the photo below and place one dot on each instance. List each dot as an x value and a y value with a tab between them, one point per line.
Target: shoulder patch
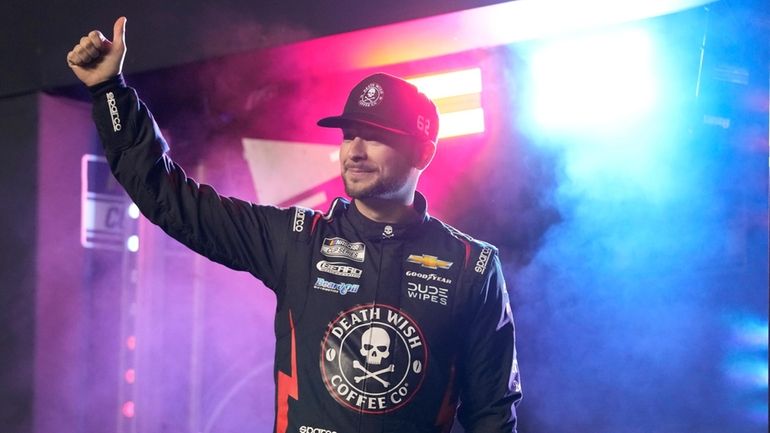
301	215
477	253
483	259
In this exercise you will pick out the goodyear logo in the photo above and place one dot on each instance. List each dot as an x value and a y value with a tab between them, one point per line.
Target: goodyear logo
430	262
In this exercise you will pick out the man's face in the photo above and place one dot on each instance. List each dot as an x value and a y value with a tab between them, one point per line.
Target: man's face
377	163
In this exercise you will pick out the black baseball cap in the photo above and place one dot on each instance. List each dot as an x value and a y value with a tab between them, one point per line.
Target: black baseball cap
391	103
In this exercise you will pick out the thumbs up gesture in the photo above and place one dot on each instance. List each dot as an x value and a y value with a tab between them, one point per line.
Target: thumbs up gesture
95	58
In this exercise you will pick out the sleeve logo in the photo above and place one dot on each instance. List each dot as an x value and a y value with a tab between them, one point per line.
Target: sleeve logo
299	219
113	107
481	263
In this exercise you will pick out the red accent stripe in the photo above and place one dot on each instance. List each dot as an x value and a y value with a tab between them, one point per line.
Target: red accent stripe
446	413
467	252
287	387
316	218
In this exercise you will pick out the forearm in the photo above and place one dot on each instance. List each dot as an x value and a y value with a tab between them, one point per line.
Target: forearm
235	233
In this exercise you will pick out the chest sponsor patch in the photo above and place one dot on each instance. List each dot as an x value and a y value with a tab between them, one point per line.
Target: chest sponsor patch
338	247
373	358
331	286
339	268
430	262
427	292
429	277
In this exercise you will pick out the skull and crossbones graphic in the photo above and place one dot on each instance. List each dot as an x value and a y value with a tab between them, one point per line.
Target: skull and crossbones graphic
375	347
371	95
373	358
387	232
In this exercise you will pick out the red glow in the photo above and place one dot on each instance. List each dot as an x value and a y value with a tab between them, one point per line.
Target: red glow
128	409
131	342
287	386
130	376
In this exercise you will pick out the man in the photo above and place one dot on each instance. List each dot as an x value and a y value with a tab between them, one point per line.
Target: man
386	317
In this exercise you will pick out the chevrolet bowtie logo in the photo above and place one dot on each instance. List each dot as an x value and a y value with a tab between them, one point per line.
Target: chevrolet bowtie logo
430	262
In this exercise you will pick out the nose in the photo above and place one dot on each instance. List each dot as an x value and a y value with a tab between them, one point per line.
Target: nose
357	149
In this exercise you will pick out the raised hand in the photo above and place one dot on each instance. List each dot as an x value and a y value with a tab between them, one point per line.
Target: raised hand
95	58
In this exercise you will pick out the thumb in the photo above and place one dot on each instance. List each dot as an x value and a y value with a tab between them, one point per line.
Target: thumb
119	33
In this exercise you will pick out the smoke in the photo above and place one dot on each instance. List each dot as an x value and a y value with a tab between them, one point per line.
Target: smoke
620	313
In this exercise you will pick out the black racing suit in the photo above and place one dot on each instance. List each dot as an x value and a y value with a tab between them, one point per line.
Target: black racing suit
379	327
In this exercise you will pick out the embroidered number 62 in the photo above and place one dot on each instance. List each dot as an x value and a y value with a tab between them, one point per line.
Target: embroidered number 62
423	124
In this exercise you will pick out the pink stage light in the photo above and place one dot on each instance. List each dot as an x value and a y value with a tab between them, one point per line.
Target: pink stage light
130	376
128	409
131	342
458	97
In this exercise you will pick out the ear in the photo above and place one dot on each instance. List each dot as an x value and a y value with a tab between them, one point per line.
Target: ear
424	155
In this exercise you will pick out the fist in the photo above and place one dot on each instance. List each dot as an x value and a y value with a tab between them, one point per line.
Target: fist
95	58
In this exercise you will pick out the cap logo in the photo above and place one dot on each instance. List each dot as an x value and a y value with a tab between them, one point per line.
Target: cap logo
371	95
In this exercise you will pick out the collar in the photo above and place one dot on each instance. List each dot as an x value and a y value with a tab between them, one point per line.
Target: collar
376	230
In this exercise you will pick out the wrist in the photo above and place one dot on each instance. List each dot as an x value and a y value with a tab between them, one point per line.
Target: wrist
116	82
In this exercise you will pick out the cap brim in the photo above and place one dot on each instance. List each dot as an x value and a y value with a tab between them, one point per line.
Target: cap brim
348	119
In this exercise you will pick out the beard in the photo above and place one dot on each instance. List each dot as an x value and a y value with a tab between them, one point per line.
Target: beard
376	188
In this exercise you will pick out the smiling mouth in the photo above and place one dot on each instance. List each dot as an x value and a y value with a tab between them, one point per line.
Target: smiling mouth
357	170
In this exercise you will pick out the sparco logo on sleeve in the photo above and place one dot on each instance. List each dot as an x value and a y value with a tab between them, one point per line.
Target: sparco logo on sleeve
308	429
338	268
113	111
373	358
299	219
338	247
481	263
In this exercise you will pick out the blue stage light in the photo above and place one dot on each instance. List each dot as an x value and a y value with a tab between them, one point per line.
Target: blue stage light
593	82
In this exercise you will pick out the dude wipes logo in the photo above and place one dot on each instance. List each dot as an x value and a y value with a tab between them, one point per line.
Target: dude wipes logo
427	292
373	358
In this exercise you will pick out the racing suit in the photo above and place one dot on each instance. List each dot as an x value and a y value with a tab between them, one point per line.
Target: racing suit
379	327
